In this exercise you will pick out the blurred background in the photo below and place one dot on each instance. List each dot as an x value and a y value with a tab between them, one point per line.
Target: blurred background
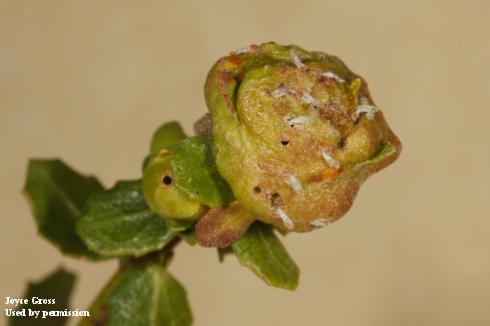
89	81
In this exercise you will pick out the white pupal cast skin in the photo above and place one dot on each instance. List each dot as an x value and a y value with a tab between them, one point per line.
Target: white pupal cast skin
295	134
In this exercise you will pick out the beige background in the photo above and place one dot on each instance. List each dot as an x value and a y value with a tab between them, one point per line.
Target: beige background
89	81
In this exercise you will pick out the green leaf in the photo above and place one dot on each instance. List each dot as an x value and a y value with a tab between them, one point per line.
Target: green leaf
167	136
189	236
260	250
195	173
184	228
149	295
57	195
56	286
118	222
98	308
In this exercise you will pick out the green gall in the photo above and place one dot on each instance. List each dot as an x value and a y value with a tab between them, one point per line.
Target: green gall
295	134
162	195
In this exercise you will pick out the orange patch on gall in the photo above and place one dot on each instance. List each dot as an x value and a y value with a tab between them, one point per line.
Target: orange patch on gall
235	60
329	174
326	175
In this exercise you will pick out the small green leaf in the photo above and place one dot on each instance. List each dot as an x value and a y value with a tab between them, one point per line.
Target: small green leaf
260	250
57	195
56	286
149	296
167	136
195	173
184	228
189	236
118	222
